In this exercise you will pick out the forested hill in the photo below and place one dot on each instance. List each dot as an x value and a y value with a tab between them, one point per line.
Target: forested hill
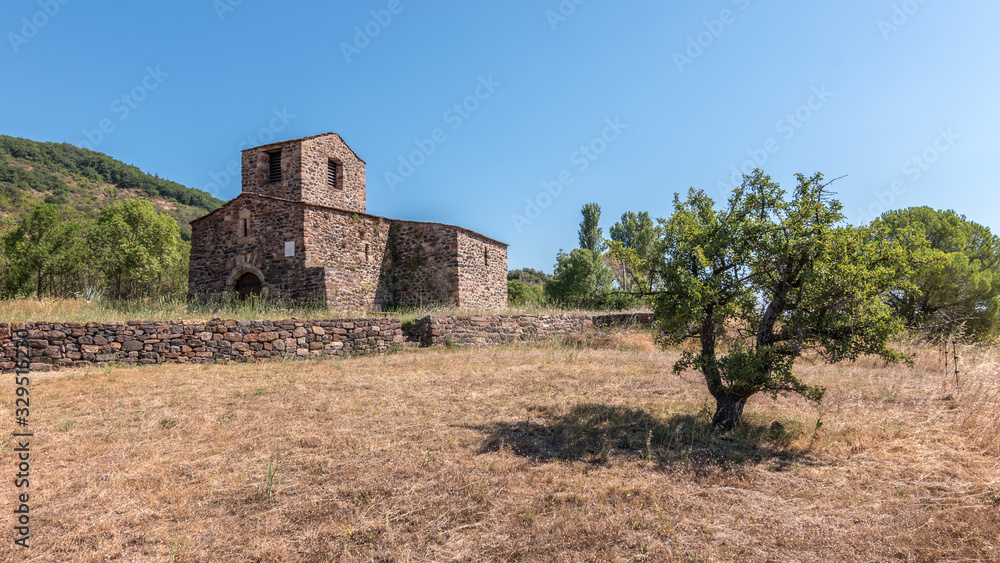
32	172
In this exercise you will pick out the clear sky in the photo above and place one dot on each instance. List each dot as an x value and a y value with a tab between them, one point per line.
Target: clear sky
506	117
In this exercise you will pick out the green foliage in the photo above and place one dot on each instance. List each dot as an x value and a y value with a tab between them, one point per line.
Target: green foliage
45	254
51	159
632	252
610	300
957	278
16	182
529	276
591	235
636	231
767	279
521	294
131	250
579	279
138	250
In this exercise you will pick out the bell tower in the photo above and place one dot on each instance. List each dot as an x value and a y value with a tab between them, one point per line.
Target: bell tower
321	170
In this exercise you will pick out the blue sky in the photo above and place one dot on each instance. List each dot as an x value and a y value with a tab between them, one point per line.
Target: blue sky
506	117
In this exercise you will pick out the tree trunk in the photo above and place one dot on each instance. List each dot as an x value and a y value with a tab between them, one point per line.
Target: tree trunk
728	411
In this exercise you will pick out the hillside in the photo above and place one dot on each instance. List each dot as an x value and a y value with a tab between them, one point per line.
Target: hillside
32	172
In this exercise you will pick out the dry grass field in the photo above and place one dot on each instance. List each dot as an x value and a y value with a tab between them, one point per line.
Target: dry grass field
26	310
579	451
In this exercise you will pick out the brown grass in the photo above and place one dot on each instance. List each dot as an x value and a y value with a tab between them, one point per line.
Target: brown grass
582	451
26	310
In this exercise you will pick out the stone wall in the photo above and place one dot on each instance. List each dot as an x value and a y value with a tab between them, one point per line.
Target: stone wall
502	329
350	193
53	346
351	250
482	272
256	177
352	260
421	265
219	252
74	345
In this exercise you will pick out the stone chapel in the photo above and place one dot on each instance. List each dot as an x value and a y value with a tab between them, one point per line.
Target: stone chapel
299	230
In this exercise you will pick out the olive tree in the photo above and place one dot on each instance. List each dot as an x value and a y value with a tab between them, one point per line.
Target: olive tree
770	279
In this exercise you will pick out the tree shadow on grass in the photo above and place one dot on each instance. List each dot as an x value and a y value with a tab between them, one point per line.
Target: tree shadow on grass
594	433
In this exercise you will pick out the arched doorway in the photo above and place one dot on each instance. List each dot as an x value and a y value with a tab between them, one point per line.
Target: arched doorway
248	285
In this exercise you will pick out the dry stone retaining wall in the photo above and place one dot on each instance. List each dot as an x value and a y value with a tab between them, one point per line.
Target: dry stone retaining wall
503	329
52	346
56	345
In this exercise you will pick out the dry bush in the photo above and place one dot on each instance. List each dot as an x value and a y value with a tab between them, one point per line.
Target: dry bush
544	453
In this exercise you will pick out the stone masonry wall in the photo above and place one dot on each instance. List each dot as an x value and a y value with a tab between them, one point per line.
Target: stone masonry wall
351	249
219	253
350	193
355	261
502	329
256	175
421	265
53	346
482	272
304	172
